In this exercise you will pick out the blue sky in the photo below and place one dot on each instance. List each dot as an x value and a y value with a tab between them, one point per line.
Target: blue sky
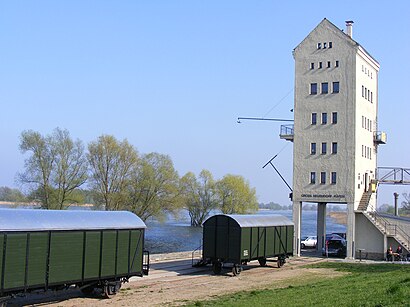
173	76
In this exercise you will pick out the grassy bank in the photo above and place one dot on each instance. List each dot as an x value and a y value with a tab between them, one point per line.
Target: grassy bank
364	285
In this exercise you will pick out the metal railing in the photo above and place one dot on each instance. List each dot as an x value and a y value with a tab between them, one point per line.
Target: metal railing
286	129
393	175
380	137
199	251
391	229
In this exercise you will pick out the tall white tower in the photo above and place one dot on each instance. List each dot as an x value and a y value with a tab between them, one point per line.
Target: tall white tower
335	126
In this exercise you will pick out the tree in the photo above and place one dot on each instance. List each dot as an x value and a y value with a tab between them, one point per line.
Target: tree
70	171
11	195
38	166
111	164
153	188
199	196
55	168
406	203
235	195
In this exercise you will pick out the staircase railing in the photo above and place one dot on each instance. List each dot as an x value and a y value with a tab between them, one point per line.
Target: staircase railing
198	250
391	229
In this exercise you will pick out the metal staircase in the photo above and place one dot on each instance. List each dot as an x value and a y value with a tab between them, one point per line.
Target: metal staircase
389	229
364	201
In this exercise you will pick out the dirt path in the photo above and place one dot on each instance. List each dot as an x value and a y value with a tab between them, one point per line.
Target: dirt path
174	282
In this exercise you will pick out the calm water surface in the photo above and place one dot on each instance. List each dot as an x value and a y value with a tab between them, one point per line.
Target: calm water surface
176	234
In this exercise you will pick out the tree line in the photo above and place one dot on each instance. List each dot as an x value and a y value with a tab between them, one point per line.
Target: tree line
117	177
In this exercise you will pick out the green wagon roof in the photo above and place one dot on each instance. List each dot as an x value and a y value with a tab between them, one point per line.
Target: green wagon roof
258	220
42	220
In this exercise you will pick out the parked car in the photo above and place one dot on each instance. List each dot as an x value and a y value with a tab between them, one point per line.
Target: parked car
335	247
310	241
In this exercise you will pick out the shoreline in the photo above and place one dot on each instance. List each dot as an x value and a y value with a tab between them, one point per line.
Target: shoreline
338	216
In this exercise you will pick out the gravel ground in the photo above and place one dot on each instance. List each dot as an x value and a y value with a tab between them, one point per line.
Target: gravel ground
173	281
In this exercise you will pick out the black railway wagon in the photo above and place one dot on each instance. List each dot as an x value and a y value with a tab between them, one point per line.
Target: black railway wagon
50	249
237	239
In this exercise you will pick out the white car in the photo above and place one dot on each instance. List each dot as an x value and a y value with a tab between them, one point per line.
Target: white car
310	241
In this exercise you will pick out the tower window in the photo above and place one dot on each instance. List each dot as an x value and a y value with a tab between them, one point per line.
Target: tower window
333	179
334	148
336	87
314	118
365	93
330	45
312	65
322	177
334	118
320	64
324	45
328	64
337	63
324	118
362	91
324	148
319	45
312	148
313	177
325	88
313	88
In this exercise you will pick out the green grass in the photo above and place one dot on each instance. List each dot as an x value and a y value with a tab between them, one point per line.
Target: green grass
365	285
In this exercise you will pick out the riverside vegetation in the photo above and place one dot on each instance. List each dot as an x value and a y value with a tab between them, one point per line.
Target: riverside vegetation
362	285
111	174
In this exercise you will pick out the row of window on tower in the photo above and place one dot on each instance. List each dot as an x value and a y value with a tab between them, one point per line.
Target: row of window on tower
366	152
313	148
324	45
324	118
324	88
367	123
323	179
367	94
320	65
367	71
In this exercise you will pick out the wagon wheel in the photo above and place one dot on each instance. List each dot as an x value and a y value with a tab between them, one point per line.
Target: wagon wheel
111	289
262	261
217	267
236	270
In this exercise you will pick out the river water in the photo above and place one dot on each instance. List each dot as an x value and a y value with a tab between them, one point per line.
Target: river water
175	233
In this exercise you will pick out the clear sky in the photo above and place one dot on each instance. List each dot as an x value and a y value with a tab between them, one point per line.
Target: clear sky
173	76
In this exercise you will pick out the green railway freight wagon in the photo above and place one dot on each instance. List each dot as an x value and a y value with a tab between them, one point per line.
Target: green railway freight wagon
238	239
50	249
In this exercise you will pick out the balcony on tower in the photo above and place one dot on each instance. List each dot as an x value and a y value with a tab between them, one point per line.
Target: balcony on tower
380	137
286	132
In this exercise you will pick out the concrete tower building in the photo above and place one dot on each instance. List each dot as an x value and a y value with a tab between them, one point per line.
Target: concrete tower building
335	132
